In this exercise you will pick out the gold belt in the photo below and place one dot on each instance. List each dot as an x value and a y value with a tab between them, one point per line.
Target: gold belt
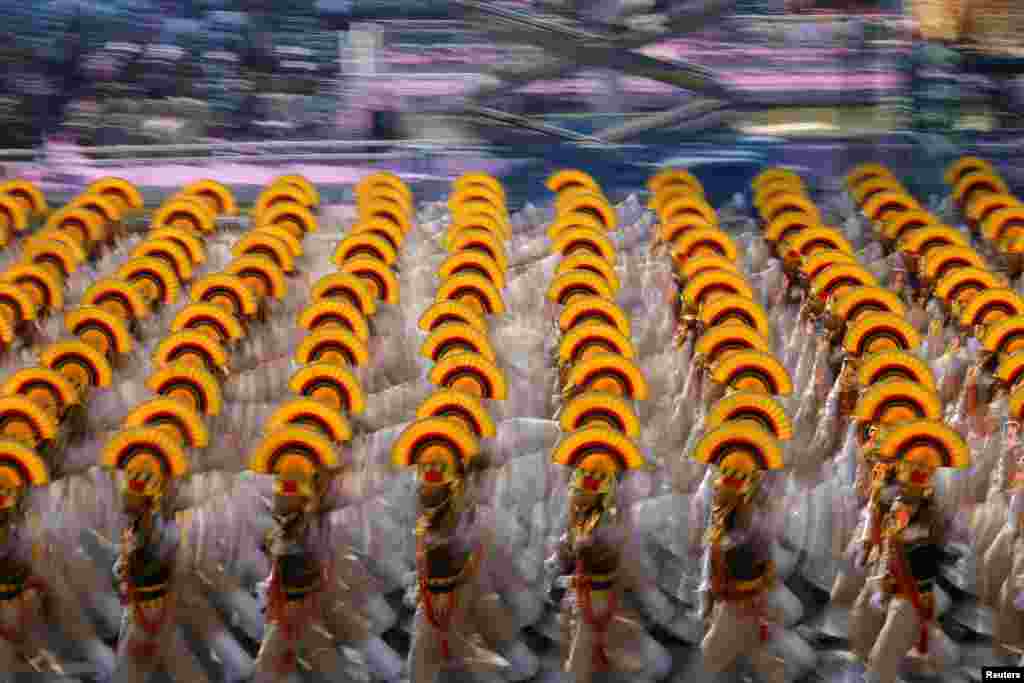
601	582
747	587
737	590
924	587
143	590
151	602
299	592
150	596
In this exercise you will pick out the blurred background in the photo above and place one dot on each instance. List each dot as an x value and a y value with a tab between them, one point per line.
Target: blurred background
102	81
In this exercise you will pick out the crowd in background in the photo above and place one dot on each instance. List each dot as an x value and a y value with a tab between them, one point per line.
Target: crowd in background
68	63
170	71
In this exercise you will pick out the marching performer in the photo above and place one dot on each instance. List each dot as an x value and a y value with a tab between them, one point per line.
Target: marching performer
35	601
462	622
881	406
1004	565
739	570
148	465
599	632
307	609
896	616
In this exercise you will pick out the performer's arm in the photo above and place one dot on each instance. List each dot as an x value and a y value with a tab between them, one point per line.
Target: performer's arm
707	586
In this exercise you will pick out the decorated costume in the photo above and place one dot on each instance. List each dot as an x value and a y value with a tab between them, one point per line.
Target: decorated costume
895	613
147	464
38	609
600	633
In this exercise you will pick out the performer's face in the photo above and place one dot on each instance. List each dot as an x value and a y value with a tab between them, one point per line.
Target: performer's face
288	505
433	495
133	505
584	501
728	496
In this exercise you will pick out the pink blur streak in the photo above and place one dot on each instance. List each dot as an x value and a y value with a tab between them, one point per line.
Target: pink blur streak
169	175
65	169
753	81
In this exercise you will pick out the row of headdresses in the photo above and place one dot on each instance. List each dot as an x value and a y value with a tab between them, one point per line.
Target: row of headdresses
882	482
79	400
54	366
530	513
333	548
566	479
865	453
486	502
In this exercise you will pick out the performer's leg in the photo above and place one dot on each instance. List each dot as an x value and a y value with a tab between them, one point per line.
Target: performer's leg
24	616
322	651
136	651
797	656
579	660
731	635
576	666
1008	629
179	662
11	662
424	651
345	621
493	618
277	655
768	665
900	633
866	623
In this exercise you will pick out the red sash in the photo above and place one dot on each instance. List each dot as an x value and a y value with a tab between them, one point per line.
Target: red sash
908	586
440	620
598	624
276	613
